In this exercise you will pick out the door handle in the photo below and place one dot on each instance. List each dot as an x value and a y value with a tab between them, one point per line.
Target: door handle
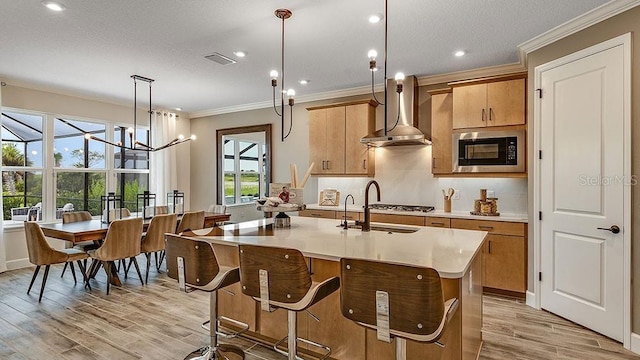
614	229
490	111
483	115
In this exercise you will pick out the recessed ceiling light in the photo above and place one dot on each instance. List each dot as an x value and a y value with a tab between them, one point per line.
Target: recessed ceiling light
375	18
459	53
54	6
304	82
240	54
178	109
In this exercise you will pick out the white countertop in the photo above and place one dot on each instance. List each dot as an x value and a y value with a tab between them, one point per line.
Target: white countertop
449	251
436	213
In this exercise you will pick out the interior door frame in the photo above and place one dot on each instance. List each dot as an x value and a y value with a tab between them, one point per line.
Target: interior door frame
625	41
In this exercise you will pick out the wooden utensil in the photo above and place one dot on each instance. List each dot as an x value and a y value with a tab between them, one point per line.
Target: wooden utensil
307	174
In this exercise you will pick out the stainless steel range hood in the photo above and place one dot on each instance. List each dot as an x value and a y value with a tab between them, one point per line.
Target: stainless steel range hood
405	132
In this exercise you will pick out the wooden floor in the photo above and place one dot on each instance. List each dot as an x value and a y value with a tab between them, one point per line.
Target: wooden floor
159	322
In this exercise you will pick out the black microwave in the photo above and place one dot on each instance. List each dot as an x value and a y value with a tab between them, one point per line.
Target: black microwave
488	151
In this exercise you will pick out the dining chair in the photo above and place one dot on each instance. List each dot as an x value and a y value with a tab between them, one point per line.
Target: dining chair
40	253
121	242
193	220
217	209
398	301
153	240
77	216
162	209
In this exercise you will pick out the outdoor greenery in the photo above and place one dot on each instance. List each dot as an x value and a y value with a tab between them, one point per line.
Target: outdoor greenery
70	185
249	184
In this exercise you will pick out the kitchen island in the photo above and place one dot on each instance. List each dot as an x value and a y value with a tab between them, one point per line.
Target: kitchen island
455	254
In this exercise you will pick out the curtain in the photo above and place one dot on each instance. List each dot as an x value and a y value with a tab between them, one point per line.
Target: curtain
3	257
163	177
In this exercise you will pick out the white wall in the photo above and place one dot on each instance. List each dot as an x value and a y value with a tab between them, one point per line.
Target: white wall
404	175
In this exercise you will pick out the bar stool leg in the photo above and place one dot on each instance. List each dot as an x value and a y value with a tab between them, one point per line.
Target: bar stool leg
293	337
401	348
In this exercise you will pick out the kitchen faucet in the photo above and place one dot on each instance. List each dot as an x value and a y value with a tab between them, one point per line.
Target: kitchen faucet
366	224
346	225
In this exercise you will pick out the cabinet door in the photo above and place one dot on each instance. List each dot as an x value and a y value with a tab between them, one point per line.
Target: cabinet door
360	119
505	263
505	102
441	123
318	139
469	104
335	147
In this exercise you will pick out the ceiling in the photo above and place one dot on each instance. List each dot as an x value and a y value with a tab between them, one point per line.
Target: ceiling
92	47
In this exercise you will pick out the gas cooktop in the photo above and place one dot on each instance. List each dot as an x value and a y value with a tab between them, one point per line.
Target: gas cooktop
418	208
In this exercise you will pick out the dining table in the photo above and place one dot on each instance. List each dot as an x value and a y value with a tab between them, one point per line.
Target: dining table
95	230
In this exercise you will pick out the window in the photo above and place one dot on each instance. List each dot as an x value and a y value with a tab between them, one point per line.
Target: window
79	163
74	173
244	168
132	167
22	165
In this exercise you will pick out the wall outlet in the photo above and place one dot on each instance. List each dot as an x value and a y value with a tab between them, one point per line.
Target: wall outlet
456	195
491	193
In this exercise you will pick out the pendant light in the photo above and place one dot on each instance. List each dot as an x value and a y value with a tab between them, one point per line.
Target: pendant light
282	14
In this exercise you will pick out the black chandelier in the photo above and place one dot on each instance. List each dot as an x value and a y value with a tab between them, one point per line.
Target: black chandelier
134	143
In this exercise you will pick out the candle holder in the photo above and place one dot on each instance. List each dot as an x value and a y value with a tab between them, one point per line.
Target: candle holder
175	202
110	207
146	205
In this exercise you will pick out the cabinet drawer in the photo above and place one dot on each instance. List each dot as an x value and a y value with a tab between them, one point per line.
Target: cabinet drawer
398	219
324	214
493	227
351	215
438	222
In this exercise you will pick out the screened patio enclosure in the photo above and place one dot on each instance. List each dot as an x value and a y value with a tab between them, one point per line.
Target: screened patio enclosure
79	165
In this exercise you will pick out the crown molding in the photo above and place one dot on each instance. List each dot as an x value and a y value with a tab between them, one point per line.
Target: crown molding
362	90
472	74
581	22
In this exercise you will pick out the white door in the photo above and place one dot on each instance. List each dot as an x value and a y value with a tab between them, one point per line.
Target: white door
582	190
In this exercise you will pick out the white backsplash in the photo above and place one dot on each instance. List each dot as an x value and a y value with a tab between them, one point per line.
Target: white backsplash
404	175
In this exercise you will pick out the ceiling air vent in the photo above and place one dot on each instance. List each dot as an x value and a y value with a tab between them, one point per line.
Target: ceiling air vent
220	59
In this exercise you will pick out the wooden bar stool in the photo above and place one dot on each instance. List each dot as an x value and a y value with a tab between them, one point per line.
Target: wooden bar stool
193	263
405	302
279	278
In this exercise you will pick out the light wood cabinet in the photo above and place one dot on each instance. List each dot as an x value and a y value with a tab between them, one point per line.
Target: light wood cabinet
441	125
323	214
504	254
438	222
504	257
334	138
498	101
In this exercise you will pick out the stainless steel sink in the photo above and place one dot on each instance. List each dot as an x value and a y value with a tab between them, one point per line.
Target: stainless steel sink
386	228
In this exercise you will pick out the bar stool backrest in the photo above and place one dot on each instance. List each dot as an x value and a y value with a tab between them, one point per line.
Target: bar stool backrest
288	274
200	262
416	301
